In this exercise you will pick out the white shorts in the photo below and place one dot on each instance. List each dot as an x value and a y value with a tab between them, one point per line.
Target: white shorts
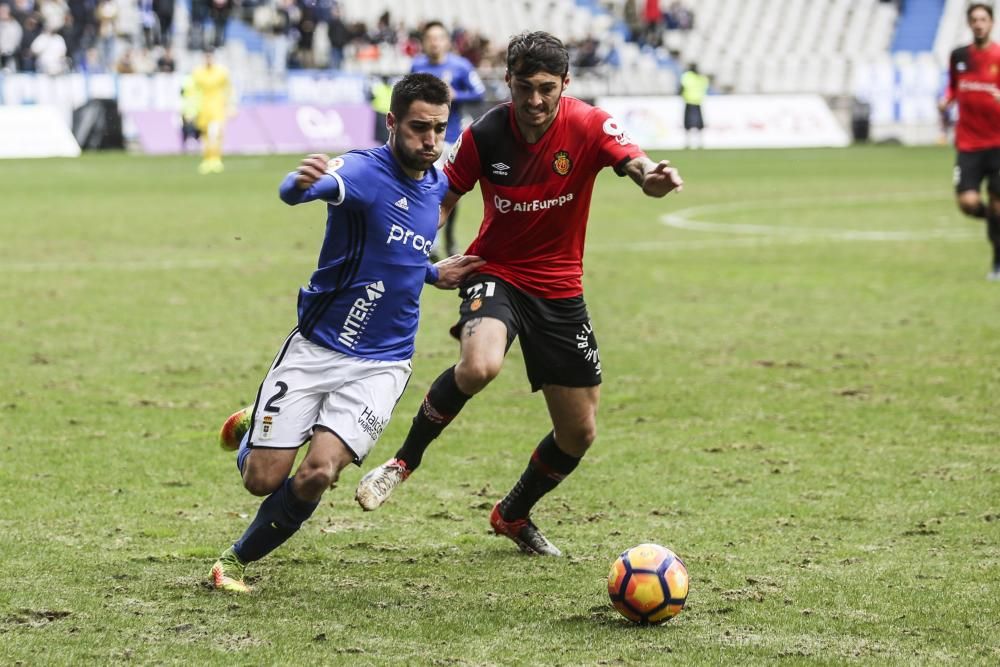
309	385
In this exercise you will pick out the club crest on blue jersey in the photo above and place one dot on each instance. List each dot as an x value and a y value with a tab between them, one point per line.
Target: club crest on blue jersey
334	164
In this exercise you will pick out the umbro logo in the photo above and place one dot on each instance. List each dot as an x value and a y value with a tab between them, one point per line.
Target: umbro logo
500	169
402	203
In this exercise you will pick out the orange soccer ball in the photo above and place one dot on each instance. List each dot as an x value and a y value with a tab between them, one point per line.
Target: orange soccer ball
648	584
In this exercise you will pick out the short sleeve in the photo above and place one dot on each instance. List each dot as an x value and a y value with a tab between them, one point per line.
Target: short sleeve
462	167
356	175
614	146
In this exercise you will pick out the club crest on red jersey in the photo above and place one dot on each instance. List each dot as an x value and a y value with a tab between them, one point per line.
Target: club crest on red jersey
562	164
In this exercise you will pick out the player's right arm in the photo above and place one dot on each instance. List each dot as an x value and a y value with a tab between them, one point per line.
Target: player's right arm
951	90
462	169
341	181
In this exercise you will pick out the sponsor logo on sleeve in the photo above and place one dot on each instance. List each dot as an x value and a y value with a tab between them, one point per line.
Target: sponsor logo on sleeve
614	129
453	153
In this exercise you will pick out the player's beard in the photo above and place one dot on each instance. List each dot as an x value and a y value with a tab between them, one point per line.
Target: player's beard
412	159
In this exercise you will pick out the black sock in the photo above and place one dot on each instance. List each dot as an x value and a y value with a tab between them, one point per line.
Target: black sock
548	466
993	233
443	402
279	517
981	211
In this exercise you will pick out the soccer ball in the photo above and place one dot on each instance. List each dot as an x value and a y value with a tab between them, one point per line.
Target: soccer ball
648	584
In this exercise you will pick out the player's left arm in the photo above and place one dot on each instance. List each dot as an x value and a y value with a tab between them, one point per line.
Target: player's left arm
657	179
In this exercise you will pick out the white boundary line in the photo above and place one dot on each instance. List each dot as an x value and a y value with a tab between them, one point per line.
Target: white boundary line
684	219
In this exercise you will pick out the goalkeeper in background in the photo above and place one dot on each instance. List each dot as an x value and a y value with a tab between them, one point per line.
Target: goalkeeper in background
211	81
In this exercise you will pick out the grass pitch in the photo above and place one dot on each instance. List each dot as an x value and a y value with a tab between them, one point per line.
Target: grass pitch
800	399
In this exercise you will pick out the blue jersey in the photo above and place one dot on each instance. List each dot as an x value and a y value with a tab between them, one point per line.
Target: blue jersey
364	297
465	84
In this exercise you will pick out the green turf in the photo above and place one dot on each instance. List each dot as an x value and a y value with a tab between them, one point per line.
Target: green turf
800	399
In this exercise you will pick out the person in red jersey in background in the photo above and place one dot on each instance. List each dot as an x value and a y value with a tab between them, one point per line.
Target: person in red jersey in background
974	84
535	159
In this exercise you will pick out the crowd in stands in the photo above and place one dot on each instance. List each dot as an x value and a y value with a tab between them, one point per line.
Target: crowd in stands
648	23
137	36
56	36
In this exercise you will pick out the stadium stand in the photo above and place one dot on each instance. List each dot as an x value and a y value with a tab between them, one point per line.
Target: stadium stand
848	51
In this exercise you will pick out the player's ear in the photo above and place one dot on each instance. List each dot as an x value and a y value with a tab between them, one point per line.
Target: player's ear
506	77
566	82
390	121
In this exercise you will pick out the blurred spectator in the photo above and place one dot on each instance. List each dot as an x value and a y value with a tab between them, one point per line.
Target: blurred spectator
652	19
82	32
49	49
383	32
166	62
54	13
126	62
90	62
10	39
339	35
678	17
164	10
275	20
219	12
585	54
107	33
196	30
149	23
31	28
633	20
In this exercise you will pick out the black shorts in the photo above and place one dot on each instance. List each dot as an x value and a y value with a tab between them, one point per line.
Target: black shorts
557	338
692	117
189	131
971	167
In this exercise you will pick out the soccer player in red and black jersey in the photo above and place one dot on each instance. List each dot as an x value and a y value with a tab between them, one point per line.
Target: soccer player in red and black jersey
535	159
974	83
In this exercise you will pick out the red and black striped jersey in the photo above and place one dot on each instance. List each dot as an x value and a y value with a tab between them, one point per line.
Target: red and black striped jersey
974	82
536	197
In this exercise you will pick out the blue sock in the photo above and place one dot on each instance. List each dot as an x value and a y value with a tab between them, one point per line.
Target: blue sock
243	452
279	517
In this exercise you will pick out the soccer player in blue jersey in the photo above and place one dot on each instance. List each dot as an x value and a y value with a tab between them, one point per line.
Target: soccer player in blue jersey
340	372
466	87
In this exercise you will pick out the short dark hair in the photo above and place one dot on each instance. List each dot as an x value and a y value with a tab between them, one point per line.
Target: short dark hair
979	5
423	87
429	25
532	52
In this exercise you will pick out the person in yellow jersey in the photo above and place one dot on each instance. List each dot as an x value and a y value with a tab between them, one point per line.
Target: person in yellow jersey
380	94
190	103
211	81
694	86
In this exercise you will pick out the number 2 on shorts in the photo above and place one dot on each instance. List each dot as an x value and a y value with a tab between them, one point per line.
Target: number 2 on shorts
282	390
